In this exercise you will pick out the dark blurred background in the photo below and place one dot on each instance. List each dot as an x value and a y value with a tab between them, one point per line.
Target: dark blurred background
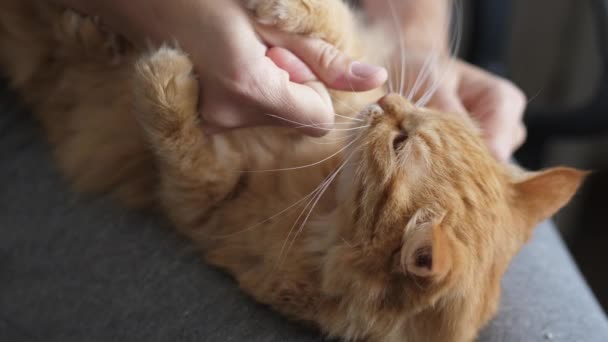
557	52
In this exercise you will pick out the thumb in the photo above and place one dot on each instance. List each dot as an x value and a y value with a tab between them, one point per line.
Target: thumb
328	63
269	98
298	71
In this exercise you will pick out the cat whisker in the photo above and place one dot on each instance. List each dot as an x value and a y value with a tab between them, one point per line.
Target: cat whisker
346	242
348	117
305	166
266	220
352	128
388	62
428	95
533	97
458	24
351	108
302	125
425	71
308	204
332	140
327	123
316	192
312	193
401	45
319	195
391	89
454	45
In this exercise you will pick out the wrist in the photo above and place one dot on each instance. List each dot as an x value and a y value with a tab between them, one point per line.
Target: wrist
119	15
138	20
422	39
427	33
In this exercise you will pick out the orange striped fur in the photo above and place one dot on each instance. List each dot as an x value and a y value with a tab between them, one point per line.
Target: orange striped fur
409	241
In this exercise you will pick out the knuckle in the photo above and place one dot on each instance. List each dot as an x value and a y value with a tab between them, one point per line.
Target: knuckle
324	126
328	55
523	134
325	119
513	93
247	85
519	96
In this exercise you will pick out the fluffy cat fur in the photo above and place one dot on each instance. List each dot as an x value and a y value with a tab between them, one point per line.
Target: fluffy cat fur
417	222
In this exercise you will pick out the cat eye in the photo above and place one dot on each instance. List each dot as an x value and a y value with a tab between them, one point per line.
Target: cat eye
424	258
399	140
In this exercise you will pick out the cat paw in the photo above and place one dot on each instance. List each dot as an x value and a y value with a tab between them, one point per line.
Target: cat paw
88	34
286	15
331	20
166	91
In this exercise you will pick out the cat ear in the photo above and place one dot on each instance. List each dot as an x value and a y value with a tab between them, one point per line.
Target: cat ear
540	195
426	251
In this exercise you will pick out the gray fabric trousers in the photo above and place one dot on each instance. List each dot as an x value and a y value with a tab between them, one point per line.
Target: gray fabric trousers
74	268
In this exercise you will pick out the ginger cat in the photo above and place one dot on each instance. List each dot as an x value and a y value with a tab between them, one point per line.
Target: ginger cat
399	229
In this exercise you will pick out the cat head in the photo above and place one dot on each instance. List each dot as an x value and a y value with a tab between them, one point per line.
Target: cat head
428	223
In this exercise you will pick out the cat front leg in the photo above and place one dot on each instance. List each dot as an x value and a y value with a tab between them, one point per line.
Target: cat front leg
197	171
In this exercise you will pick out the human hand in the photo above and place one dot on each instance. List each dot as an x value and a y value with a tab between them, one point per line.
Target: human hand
241	79
495	103
423	28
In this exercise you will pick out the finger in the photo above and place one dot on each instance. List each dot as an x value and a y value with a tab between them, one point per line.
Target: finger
504	132
522	134
221	116
220	113
266	96
498	105
298	71
328	63
447	102
503	146
520	137
307	106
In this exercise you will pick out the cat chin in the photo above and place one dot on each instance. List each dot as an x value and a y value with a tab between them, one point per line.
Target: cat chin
345	183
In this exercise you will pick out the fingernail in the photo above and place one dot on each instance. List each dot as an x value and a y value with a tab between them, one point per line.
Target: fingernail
362	70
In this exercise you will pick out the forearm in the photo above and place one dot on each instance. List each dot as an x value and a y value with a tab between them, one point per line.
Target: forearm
139	20
114	13
424	24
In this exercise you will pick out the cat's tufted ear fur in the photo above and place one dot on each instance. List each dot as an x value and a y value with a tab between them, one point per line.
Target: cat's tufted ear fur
540	195
426	251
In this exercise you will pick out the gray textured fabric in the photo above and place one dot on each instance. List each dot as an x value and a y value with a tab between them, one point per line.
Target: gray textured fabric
75	268
545	297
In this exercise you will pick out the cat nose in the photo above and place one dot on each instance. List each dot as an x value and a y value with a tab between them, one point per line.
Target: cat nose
386	99
393	102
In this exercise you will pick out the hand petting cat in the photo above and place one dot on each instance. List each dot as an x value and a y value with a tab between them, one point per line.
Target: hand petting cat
496	104
246	83
240	84
401	224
